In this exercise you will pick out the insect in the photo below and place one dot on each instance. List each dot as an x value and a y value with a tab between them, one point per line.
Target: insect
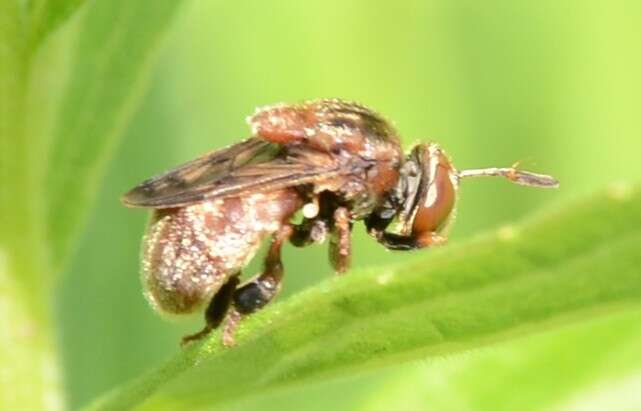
334	161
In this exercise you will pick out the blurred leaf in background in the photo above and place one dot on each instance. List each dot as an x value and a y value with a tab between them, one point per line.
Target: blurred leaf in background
554	84
66	97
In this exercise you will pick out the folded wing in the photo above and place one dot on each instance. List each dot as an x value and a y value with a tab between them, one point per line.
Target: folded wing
250	166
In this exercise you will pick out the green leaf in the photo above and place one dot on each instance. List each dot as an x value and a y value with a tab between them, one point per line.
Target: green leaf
26	337
111	67
565	265
11	93
47	15
546	371
29	82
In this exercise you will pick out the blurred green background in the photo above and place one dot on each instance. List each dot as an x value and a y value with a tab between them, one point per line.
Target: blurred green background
556	84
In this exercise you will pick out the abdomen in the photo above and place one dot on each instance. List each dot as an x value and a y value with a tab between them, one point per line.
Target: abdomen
190	252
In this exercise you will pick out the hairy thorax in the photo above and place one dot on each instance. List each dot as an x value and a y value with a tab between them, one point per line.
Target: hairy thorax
190	252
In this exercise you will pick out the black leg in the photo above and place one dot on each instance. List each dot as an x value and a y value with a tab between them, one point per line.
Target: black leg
340	245
399	242
376	225
216	310
261	289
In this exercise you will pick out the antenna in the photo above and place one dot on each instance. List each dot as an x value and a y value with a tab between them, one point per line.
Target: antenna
524	178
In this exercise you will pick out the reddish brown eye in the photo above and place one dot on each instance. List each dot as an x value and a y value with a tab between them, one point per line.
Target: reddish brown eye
438	194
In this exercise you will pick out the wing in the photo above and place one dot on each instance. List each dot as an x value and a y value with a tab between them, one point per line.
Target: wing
251	165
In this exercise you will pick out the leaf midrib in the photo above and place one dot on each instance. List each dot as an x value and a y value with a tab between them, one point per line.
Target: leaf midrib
280	368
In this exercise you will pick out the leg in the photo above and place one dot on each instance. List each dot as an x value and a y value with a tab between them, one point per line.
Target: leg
308	232
376	226
216	310
398	242
340	247
261	289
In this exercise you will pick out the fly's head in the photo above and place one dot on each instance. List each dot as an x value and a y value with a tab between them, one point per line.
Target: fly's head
424	200
427	189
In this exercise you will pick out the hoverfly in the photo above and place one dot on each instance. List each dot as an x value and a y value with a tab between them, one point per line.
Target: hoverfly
335	161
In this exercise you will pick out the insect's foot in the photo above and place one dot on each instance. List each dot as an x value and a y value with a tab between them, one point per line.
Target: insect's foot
188	339
233	319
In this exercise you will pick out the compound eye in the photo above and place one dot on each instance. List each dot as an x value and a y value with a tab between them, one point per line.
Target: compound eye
438	194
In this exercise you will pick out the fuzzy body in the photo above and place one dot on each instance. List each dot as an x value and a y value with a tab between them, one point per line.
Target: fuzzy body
190	252
345	135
